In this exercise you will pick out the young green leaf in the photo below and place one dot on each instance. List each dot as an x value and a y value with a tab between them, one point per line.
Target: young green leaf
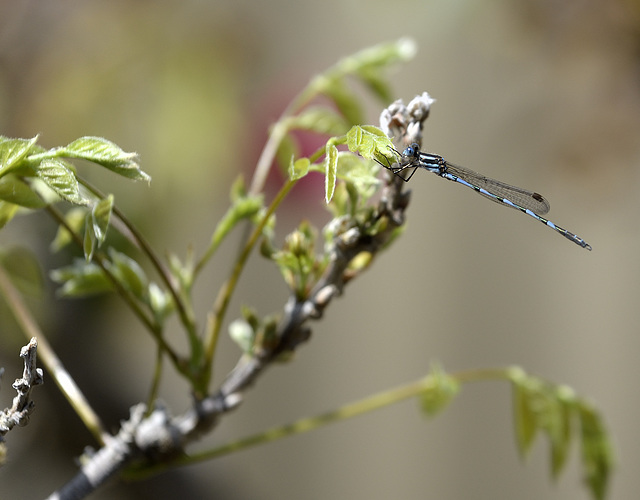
370	63
12	151
96	226
183	271
75	219
374	79
556	422
339	207
81	279
369	141
129	274
525	414
440	389
58	175
331	168
100	217
359	172
287	148
243	207
597	454
106	153
378	56
297	261
7	212
16	191
335	88
552	409
160	302
242	334
561	433
319	120
298	168
89	241
366	65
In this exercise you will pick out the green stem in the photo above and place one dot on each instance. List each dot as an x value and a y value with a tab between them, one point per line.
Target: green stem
357	408
130	300
155	384
351	410
184	310
226	291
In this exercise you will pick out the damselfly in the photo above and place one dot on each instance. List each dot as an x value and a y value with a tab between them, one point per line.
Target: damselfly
528	202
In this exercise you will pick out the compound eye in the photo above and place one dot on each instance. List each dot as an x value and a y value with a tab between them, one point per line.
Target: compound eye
409	151
412	150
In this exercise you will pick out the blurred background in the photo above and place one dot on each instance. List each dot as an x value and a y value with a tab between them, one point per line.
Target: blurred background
542	94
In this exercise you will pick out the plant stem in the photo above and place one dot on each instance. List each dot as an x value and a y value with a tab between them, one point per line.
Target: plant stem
127	296
357	408
184	310
226	291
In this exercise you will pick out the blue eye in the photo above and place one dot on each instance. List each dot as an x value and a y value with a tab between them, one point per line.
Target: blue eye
412	150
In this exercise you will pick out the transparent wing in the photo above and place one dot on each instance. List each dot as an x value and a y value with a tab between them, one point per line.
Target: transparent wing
526	199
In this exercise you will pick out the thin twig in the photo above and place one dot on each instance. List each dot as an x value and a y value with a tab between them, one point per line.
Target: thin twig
53	364
23	405
160	438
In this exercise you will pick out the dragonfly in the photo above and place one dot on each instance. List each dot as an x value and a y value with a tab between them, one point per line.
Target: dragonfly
528	202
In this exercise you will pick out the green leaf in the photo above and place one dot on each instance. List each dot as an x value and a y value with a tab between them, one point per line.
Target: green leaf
129	274
7	212
96	226
184	272
75	219
367	65
106	153
379	56
89	241
81	279
374	79
58	175
16	191
331	168
344	99
287	149
297	261
243	207
160	302
525	414
339	207
238	189
13	151
242	334
597	453
540	405
359	172
100	217
319	120
369	142
299	168
23	269
440	389
561	432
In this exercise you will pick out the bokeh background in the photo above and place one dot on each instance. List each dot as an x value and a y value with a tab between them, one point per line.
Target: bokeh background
540	93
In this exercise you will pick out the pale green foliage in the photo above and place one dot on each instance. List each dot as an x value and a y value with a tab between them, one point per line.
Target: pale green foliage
34	178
